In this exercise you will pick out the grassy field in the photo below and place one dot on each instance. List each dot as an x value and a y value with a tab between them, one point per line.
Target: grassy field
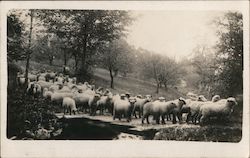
132	85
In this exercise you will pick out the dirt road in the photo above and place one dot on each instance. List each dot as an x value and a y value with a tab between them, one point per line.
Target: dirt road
83	126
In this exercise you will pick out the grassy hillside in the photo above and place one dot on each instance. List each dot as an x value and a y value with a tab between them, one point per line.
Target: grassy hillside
132	85
121	84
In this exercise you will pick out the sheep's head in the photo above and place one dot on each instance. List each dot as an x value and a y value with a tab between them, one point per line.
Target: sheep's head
92	87
127	94
232	101
181	102
215	98
96	97
122	96
161	99
132	100
149	97
60	86
86	83
139	96
201	98
106	92
100	88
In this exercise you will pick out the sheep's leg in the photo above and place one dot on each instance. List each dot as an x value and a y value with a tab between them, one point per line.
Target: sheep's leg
202	120
102	109
196	117
174	118
147	119
69	110
168	118
188	117
157	118
193	118
163	119
139	113
119	117
135	114
64	110
179	115
142	120
94	110
128	117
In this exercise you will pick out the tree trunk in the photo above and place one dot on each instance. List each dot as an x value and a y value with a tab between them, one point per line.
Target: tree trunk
157	88
51	60
156	79
112	78
84	46
76	63
65	58
29	50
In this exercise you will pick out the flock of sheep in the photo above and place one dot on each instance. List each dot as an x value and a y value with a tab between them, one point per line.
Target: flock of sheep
73	97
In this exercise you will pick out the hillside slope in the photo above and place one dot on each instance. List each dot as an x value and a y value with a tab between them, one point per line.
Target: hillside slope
132	85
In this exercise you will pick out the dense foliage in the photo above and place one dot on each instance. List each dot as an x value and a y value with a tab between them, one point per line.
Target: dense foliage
14	38
230	54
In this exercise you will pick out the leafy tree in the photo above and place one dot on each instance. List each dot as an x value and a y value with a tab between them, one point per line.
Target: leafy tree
83	31
15	50
116	57
163	70
205	66
230	54
47	48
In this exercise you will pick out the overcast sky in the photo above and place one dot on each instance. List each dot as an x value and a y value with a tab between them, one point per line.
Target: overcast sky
172	33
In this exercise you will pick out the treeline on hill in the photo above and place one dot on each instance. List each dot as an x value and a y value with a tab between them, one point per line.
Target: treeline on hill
97	38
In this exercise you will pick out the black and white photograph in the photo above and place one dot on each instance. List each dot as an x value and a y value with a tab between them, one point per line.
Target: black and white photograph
112	74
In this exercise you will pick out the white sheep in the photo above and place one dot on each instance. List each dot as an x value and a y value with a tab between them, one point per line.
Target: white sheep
69	104
57	98
103	103
54	87
215	98
93	103
99	90
37	90
32	77
161	99
138	106
30	88
41	78
86	101
21	81
44	84
47	94
193	107
83	87
201	98
64	89
60	79
192	96
177	111
90	92
157	108
123	107
219	109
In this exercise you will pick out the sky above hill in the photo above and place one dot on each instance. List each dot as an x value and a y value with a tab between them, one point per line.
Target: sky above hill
172	33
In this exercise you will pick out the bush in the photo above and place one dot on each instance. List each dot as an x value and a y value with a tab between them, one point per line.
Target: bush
26	115
197	133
